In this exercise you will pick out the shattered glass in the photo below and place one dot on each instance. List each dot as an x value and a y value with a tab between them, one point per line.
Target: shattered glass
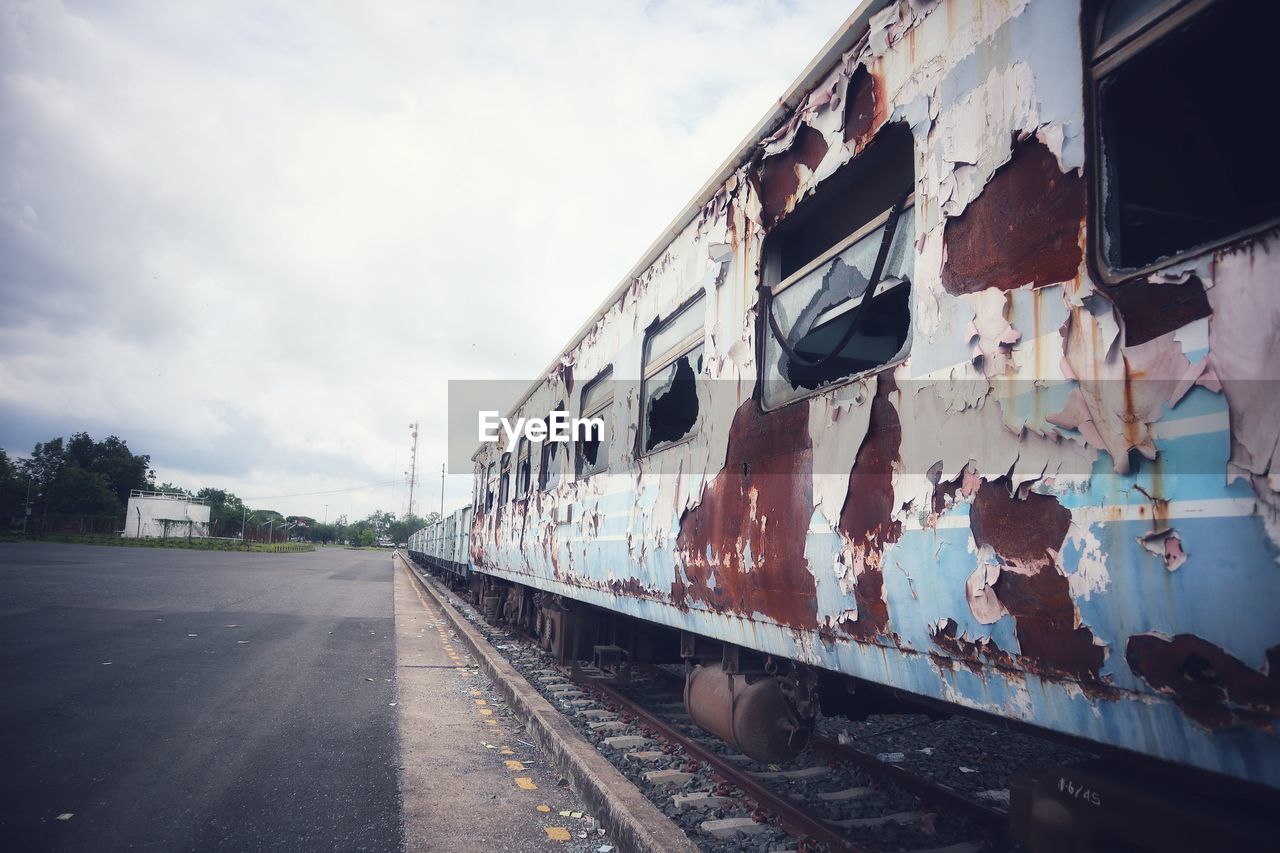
670	401
815	310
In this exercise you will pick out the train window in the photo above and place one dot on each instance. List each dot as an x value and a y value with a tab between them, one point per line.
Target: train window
504	479
672	363
549	462
1176	171
490	482
857	234
523	470
592	454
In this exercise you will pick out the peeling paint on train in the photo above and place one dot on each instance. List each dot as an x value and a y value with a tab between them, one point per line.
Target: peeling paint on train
1062	506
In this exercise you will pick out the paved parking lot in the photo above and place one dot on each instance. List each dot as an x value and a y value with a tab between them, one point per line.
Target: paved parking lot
184	700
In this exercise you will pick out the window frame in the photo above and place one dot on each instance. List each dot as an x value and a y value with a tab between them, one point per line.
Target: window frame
504	479
1103	58
602	454
544	460
524	453
674	353
764	332
490	487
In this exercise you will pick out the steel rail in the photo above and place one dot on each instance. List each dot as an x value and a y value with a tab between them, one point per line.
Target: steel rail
924	787
919	785
793	819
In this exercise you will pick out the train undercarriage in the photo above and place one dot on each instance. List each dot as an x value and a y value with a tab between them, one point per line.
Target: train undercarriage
766	708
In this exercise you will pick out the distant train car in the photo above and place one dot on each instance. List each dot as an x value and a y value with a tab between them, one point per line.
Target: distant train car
443	545
955	384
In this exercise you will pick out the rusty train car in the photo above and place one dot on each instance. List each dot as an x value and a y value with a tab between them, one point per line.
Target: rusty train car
954	385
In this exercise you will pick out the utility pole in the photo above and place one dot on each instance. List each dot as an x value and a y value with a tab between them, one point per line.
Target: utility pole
413	464
442	491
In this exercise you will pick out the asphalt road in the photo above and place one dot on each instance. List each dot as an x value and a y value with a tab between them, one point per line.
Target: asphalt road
187	700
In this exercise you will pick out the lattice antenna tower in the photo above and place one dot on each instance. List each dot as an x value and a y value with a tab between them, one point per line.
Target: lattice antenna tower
412	473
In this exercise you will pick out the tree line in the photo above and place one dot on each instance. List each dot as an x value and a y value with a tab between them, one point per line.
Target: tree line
79	485
77	477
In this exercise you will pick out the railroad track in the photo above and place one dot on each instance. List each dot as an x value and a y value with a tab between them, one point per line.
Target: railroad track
833	797
822	800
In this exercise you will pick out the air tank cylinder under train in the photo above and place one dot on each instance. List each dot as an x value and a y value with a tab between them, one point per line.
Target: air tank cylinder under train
749	712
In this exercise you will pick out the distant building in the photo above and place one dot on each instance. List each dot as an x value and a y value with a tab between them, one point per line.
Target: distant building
160	515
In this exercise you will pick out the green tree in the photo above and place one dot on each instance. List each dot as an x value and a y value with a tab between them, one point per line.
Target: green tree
13	488
123	470
227	513
320	532
45	463
82	477
80	492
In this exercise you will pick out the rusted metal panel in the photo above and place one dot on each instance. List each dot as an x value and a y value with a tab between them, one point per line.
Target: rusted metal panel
867	522
1024	229
1062	506
729	558
779	176
1213	687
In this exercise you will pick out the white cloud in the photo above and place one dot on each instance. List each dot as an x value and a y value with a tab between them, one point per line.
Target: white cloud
256	240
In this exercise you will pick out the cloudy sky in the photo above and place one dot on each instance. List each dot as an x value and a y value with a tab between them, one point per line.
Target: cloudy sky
255	239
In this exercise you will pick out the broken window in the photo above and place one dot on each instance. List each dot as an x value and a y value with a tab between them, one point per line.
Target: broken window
855	236
592	451
672	364
1179	166
504	480
549	460
490	482
523	470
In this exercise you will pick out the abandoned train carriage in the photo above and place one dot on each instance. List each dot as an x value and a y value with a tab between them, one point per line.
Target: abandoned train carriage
957	379
444	545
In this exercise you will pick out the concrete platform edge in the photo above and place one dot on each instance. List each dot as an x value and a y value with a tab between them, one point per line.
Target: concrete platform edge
635	823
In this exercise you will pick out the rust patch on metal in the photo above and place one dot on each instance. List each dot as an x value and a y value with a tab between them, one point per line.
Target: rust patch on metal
1026	533
971	653
866	519
942	660
1151	310
1209	685
863	96
777	178
1023	228
679	596
944	494
633	588
1022	530
738	547
827	634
